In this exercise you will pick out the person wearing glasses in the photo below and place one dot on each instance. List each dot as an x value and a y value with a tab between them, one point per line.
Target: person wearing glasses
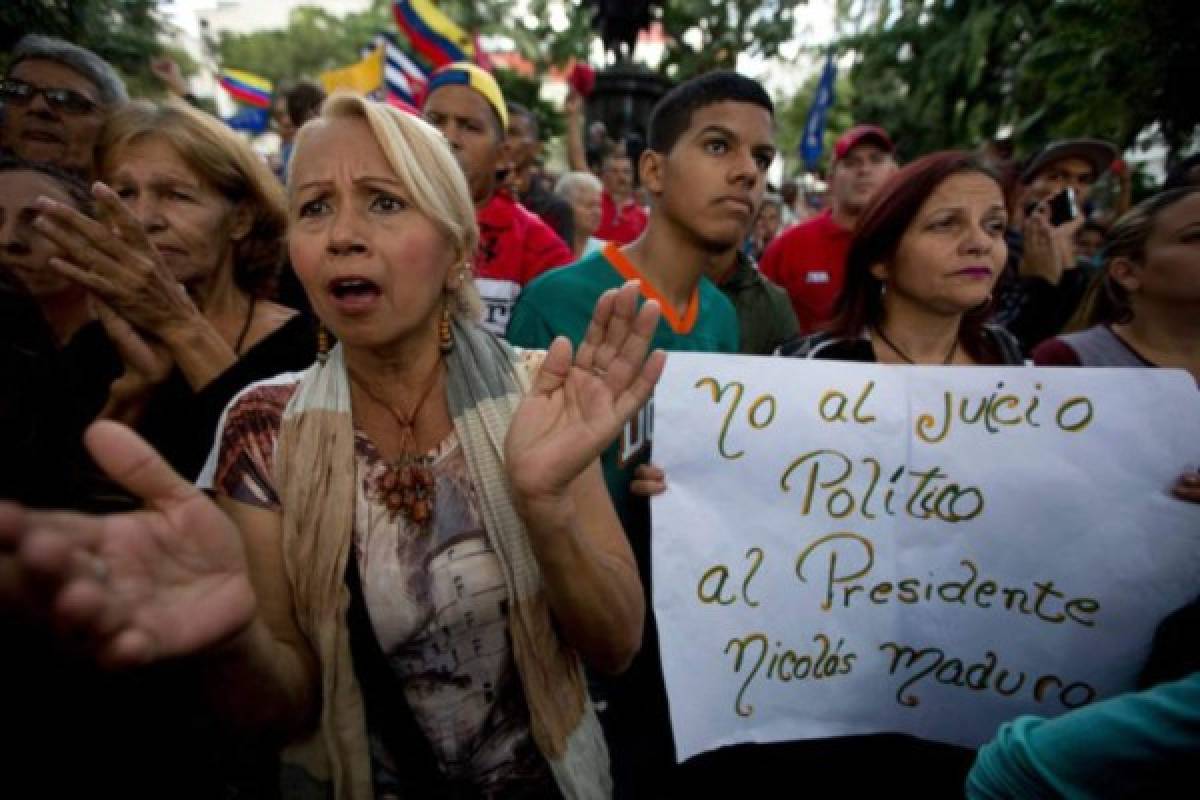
55	96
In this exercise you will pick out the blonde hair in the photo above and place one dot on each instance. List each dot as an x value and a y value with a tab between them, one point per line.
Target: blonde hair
1106	301
221	159
429	174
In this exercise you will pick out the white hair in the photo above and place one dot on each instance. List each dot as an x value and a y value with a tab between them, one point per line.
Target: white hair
95	69
571	182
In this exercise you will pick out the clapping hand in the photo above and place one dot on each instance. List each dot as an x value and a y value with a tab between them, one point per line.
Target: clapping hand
116	262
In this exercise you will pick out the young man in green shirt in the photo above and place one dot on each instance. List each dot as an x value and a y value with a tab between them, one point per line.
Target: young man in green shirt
710	144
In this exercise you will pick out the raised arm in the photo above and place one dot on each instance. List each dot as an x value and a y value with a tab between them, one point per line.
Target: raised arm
576	153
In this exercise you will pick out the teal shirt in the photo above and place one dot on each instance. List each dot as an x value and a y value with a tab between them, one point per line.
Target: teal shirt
1140	744
560	302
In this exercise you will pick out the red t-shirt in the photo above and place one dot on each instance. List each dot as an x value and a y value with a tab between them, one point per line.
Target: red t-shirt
621	225
809	260
515	246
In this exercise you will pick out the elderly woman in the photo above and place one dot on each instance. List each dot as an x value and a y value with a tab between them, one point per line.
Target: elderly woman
583	191
426	545
55	366
920	271
193	246
25	253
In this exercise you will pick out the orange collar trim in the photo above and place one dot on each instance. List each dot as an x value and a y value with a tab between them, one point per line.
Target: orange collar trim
629	272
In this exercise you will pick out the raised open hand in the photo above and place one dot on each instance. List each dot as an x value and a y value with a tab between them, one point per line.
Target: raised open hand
170	580
578	406
116	261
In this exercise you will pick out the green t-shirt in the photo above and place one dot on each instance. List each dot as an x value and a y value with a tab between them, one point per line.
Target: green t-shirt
560	302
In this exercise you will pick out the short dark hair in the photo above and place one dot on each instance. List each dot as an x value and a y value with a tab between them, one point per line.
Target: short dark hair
1181	176
518	110
880	228
303	101
74	188
673	113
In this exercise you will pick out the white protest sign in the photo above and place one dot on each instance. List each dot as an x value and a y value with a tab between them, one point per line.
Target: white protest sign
854	548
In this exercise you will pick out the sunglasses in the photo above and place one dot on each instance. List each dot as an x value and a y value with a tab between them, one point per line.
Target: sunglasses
21	94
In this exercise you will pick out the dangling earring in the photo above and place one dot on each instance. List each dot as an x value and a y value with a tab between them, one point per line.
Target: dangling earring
323	345
445	339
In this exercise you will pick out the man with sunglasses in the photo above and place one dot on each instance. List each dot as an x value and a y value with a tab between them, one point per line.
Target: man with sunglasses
54	97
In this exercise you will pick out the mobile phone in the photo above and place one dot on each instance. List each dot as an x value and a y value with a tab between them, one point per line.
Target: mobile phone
1063	207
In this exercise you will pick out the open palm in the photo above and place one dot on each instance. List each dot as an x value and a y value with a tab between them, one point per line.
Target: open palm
167	581
577	406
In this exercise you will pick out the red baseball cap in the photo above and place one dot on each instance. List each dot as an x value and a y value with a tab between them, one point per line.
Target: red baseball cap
856	135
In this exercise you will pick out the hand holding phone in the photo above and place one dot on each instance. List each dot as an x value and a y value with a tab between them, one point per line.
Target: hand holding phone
1063	207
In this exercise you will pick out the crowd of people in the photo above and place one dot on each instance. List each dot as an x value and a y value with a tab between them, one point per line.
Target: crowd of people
331	476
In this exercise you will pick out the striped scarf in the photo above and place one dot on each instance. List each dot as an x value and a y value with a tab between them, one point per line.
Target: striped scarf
315	477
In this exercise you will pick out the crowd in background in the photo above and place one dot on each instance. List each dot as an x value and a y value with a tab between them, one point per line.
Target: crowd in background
348	452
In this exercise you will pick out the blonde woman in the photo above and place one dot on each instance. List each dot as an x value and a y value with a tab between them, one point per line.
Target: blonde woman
195	241
417	551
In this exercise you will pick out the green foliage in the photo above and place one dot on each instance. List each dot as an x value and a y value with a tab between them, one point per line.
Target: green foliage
753	27
545	46
124	32
316	41
520	89
719	31
951	73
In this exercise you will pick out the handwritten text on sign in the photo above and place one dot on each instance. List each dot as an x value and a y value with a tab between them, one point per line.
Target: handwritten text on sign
851	548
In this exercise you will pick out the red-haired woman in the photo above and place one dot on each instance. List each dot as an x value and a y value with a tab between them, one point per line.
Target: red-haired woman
925	257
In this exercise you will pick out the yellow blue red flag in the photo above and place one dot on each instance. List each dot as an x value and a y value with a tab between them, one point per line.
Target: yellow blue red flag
246	87
436	37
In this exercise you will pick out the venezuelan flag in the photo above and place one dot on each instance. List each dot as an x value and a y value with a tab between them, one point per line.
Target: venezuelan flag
246	87
432	34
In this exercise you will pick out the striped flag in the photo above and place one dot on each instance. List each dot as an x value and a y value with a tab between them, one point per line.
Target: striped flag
404	77
246	87
433	35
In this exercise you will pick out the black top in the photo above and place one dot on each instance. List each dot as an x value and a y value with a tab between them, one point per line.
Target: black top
1033	309
1001	346
554	211
180	423
46	402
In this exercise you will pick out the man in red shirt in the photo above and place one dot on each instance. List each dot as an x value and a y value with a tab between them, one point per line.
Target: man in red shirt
515	245
809	259
621	218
